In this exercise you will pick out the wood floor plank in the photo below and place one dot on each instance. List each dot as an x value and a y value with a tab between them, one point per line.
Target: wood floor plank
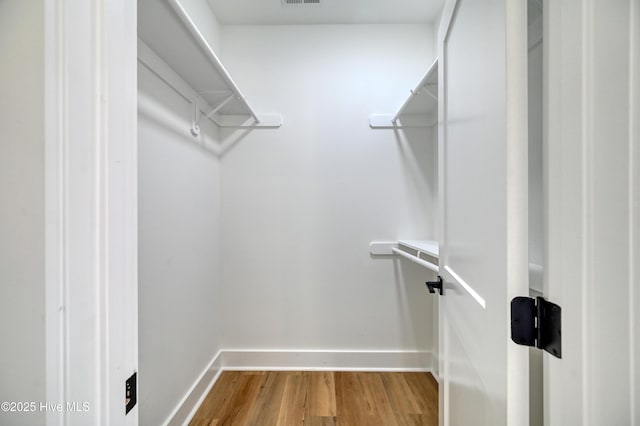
294	400
218	397
266	409
239	408
320	421
416	420
355	403
203	422
425	391
283	398
400	394
322	395
376	392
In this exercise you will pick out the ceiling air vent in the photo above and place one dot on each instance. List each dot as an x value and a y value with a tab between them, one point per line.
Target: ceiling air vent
301	2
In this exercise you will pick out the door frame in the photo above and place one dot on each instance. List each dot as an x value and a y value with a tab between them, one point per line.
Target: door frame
90	141
576	183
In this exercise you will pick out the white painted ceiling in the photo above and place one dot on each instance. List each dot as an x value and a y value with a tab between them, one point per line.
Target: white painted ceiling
273	12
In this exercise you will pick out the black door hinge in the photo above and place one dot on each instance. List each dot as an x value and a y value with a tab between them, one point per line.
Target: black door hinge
537	322
131	392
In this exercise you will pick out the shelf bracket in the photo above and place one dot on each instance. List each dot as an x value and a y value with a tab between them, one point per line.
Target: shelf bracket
195	128
417	92
385	121
430	93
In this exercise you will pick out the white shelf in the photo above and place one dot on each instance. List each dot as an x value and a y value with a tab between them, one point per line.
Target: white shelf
166	27
403	247
420	109
427	247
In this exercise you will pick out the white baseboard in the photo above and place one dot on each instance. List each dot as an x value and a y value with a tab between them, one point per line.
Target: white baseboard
247	359
294	360
189	404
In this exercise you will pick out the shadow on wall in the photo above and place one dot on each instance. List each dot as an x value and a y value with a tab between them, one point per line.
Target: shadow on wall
420	159
416	304
172	121
212	140
230	137
414	147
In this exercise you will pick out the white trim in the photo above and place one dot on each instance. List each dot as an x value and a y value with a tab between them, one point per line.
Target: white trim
54	210
634	218
517	156
634	203
323	360
577	181
587	197
90	202
193	398
117	75
448	14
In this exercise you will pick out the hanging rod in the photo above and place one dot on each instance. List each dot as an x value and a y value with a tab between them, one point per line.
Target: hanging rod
416	259
213	58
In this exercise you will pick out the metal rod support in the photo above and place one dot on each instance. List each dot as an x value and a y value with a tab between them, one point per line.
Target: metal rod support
217	108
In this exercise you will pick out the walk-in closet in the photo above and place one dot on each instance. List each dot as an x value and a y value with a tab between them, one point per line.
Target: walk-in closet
319	212
271	165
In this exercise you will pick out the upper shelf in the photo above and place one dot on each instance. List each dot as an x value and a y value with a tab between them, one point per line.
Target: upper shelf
406	249
420	109
168	29
428	247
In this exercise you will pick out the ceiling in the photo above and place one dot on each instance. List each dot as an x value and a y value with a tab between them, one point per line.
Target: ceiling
273	12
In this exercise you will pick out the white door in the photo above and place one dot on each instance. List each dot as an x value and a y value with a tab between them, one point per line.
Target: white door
592	155
483	202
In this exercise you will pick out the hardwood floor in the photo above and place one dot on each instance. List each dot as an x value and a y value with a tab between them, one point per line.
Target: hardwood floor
320	399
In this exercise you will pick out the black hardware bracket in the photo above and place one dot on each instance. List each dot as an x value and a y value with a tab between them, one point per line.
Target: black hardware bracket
435	285
131	392
537	322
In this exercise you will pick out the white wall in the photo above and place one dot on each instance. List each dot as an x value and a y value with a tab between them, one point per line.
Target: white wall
300	204
22	327
179	250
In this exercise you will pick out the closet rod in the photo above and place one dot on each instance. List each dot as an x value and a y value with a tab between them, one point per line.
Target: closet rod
213	58
416	259
145	60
